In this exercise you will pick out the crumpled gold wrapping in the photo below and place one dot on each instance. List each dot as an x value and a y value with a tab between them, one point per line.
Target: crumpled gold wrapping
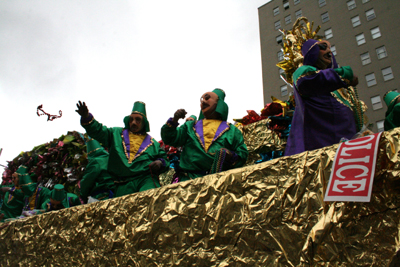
268	214
259	139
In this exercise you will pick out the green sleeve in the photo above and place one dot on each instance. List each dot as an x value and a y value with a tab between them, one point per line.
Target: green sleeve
345	72
99	132
301	71
175	136
44	205
241	149
88	181
74	200
44	197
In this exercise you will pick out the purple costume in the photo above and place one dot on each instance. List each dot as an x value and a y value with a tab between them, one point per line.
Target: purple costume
319	119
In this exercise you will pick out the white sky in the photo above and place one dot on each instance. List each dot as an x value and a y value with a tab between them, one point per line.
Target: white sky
115	52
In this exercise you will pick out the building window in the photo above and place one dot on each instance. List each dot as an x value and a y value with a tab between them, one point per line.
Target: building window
355	21
321	3
280	56
333	49
351	4
288	19
375	32
380	125
298	13
277	25
285	4
370	14
282	73
370	78
381	52
365	58
296	2
376	102
276	11
387	74
279	39
284	91
365	1
360	39
325	17
328	34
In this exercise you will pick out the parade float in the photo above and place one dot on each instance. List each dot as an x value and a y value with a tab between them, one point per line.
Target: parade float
272	212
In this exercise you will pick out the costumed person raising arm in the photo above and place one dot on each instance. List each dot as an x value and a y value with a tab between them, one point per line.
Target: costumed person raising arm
210	144
327	110
136	158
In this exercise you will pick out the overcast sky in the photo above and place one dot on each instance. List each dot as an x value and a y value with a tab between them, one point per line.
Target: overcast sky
115	52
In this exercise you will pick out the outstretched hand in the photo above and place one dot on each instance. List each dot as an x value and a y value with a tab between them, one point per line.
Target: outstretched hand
179	114
82	109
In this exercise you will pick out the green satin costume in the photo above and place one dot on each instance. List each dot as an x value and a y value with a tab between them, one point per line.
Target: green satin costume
129	177
96	181
195	161
13	201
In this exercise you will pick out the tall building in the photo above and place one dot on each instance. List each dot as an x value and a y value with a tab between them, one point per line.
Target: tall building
363	35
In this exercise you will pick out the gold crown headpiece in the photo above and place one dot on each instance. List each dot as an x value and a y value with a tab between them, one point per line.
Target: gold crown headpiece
292	42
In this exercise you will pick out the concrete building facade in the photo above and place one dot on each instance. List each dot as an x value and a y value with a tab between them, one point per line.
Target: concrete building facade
363	34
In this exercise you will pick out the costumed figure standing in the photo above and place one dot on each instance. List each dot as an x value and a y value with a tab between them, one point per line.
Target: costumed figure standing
136	158
327	106
96	182
210	144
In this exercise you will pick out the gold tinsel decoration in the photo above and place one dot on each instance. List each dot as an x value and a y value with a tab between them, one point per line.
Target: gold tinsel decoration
292	42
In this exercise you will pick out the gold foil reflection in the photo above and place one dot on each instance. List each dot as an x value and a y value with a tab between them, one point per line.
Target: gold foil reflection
269	214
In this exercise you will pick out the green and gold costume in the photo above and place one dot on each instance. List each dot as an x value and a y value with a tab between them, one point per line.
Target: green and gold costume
13	202
35	196
59	194
202	140
129	163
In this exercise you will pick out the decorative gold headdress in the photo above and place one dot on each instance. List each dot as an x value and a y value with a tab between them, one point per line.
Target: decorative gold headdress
292	42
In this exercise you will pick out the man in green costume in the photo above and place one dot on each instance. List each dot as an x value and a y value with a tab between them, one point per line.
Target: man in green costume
392	116
96	181
14	197
136	158
210	144
60	199
35	195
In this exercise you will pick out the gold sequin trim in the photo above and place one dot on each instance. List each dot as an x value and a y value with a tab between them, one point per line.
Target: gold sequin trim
394	99
27	184
93	151
140	113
